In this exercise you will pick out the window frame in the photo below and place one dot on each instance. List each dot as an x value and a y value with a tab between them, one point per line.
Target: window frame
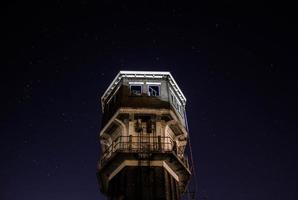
176	103
134	94
154	85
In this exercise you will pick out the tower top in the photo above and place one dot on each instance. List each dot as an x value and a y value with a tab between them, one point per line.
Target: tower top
143	137
143	74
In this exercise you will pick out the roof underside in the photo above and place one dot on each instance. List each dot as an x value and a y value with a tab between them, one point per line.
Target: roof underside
143	74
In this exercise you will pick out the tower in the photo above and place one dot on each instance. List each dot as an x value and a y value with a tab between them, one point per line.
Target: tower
143	138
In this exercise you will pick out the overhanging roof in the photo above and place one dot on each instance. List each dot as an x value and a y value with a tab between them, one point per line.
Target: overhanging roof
143	74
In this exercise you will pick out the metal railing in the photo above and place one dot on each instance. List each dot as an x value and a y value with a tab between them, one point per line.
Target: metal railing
144	144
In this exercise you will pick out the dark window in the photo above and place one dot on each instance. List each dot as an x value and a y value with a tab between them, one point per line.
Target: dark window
153	90
172	98
138	127
136	90
151	125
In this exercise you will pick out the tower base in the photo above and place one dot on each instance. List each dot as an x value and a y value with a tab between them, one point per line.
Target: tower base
143	182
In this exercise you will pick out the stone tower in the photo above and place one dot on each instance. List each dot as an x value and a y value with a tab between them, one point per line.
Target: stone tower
143	138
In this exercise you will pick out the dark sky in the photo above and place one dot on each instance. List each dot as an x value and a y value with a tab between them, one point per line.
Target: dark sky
236	64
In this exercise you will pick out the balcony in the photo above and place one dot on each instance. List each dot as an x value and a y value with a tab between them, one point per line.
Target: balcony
144	144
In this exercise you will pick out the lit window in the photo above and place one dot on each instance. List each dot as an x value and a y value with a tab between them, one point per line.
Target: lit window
153	90
136	90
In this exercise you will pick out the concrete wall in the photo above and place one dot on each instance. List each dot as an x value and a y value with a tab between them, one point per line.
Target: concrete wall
146	183
122	97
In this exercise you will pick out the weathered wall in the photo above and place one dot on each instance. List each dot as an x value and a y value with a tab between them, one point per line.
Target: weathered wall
143	183
124	99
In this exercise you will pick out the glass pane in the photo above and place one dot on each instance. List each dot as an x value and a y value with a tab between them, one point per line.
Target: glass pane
136	90
153	90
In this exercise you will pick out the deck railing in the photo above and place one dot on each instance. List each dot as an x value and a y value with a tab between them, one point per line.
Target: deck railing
144	144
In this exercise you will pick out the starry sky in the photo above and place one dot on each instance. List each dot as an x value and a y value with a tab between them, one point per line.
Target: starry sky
236	64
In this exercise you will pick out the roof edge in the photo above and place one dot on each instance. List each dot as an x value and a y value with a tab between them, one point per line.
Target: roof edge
124	73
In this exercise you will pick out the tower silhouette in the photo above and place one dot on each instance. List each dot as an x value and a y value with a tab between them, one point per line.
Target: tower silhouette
143	138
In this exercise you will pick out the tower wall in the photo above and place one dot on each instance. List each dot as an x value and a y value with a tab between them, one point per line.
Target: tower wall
143	138
146	183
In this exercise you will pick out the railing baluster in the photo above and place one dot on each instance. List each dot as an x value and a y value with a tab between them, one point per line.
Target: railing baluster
146	144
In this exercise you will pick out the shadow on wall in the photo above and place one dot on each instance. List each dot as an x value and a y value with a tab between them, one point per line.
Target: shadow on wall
124	98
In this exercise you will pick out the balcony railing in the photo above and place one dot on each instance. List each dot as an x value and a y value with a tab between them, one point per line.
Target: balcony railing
144	144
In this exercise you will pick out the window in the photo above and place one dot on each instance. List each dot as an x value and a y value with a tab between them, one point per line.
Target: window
153	90
115	98
136	90
176	103
172	98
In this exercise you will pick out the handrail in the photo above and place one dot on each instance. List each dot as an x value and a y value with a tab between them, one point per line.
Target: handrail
144	144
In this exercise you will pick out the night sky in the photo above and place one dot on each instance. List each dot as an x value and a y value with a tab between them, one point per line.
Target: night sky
236	64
